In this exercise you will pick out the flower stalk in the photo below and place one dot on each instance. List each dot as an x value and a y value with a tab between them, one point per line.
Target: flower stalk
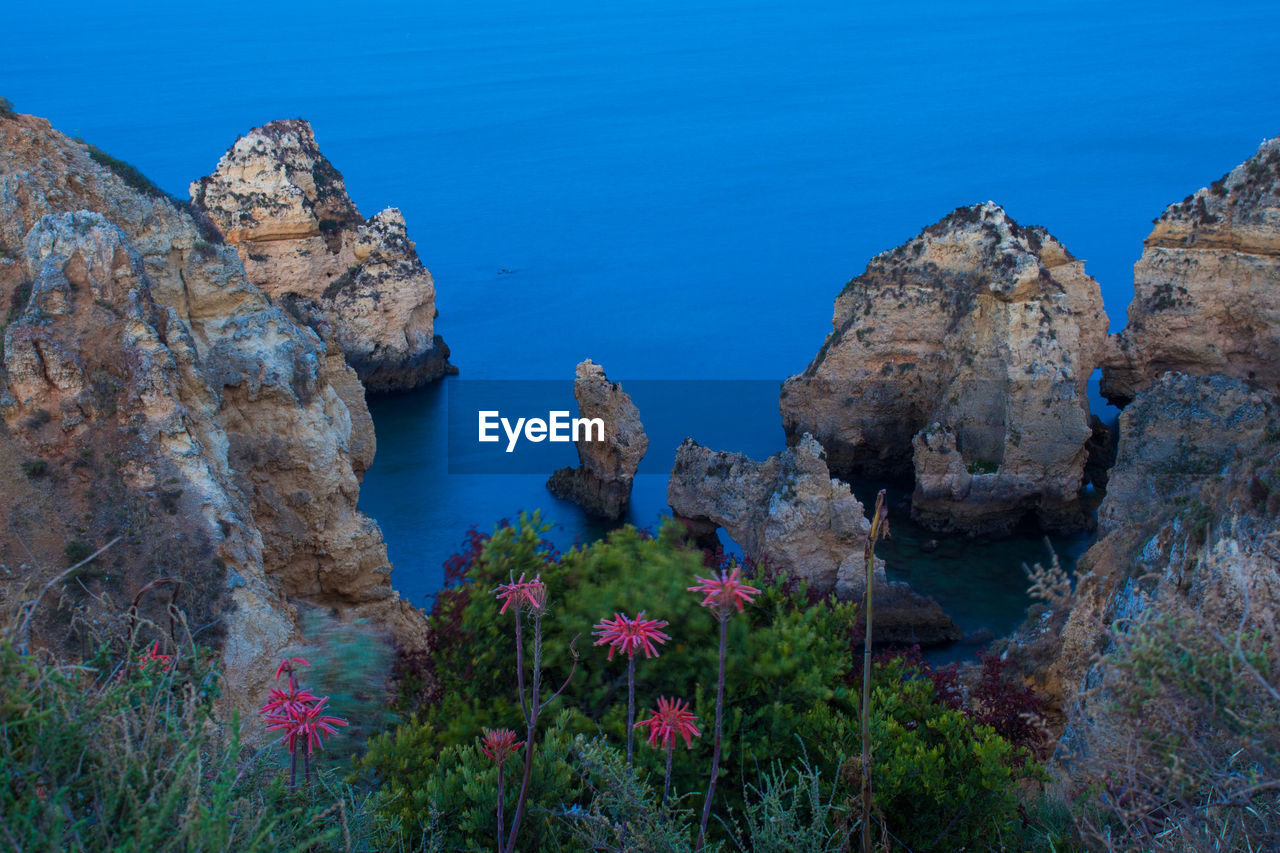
672	719
630	636
722	594
879	528
531	597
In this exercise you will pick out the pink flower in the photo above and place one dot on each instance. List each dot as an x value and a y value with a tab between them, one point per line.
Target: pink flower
306	725
499	745
153	655
521	593
630	635
725	591
672	719
286	665
286	702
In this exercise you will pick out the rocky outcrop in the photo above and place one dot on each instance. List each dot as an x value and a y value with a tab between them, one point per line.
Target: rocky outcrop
962	357
358	283
601	484
150	391
1205	295
789	515
1186	444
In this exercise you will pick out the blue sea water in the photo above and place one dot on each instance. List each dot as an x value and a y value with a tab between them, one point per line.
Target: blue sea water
674	189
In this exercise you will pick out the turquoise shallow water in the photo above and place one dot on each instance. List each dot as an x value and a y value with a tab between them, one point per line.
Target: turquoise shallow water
675	189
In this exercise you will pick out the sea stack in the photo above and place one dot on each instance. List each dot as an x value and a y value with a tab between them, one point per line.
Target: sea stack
961	358
601	484
357	282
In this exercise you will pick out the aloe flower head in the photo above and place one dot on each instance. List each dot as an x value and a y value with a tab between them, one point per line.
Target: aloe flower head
286	702
307	725
725	591
522	593
286	666
672	719
499	744
631	635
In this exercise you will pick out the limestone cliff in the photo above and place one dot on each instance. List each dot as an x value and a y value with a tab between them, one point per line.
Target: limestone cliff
1188	529
788	514
962	356
357	282
1205	294
1190	447
601	484
150	391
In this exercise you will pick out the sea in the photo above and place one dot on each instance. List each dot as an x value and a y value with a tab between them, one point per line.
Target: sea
676	189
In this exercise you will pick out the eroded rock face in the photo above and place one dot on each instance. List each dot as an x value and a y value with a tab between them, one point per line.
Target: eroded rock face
356	282
150	391
788	514
1205	295
1181	440
962	356
601	484
1187	531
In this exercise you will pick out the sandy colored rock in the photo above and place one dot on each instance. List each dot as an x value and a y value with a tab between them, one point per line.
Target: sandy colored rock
1206	298
601	484
962	356
788	514
356	282
150	391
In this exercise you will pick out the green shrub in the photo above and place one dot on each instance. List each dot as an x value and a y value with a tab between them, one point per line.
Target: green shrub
36	468
942	781
460	785
941	777
788	811
787	672
127	172
624	808
76	552
105	756
6	107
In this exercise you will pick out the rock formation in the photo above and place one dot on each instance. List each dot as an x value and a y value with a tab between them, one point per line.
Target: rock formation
1190	525
150	391
601	484
357	282
788	514
1186	530
1183	441
1205	294
962	356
